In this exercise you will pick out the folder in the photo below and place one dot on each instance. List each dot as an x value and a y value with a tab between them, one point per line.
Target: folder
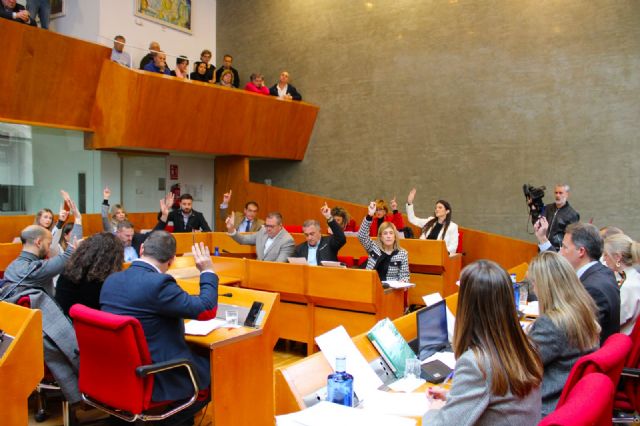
386	338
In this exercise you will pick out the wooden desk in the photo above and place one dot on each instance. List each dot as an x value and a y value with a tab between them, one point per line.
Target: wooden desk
22	365
241	362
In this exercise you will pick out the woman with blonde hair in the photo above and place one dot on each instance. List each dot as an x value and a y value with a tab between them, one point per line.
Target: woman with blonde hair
498	371
111	218
567	327
385	255
620	254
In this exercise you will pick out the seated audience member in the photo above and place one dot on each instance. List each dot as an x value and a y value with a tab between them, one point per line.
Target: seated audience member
567	327
186	219
182	67
385	255
382	215
246	221
226	80
131	240
94	260
205	57
65	237
582	247
318	248
111	218
154	47
44	218
200	74
436	227
273	242
146	292
256	85
343	218
16	12
226	66
159	64
283	90
620	254
118	54
497	375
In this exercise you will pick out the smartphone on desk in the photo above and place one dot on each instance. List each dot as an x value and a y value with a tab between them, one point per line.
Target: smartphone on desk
252	316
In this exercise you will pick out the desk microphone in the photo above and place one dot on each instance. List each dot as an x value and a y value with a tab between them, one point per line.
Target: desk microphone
227	295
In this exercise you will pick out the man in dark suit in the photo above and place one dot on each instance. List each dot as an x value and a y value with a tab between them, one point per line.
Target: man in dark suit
186	219
318	248
582	247
284	90
16	12
246	221
146	292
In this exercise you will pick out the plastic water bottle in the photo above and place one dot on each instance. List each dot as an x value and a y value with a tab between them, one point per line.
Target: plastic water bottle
516	291
216	251
340	384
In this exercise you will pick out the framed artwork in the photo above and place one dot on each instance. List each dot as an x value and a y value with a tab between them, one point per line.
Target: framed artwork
170	13
57	8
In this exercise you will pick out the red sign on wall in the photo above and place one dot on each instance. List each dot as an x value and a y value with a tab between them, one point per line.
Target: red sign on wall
173	171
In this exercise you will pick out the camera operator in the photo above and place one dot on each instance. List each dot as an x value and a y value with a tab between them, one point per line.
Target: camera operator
549	229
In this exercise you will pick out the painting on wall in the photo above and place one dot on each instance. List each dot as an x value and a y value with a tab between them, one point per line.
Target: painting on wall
170	13
57	8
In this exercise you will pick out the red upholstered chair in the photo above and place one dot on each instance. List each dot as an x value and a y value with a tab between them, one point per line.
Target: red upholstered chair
588	403
347	260
116	373
293	229
609	360
460	241
627	398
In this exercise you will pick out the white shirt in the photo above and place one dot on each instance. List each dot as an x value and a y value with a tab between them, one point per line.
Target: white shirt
268	244
130	254
311	256
282	92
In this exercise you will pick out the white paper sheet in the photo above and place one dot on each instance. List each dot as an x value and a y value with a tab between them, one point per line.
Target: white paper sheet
407	384
448	358
432	298
325	413
531	309
397	403
399	284
337	342
202	328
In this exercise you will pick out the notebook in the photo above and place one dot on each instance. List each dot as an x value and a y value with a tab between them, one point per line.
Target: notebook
386	338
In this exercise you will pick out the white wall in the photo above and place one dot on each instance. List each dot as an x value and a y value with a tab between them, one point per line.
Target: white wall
81	20
196	176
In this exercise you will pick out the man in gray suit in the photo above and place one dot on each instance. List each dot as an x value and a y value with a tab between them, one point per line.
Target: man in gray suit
273	242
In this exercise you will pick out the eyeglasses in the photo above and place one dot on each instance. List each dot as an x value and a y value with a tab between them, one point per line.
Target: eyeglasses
269	226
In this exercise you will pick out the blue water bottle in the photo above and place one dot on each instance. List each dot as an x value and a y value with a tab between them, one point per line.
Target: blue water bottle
340	384
216	252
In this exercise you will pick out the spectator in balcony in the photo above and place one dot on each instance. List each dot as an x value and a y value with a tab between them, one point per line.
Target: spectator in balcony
226	66
41	9
226	80
118	54
182	67
159	64
205	57
154	47
284	90
16	12
256	85
200	74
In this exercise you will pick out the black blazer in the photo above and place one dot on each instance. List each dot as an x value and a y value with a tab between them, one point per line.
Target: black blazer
273	91
139	238
327	247
196	221
8	14
600	283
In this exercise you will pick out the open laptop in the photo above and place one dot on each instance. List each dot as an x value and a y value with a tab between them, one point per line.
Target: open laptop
432	330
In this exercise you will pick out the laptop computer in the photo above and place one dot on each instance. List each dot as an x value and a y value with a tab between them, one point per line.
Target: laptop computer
432	335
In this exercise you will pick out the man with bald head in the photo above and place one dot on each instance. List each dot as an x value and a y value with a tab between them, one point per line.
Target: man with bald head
32	267
154	47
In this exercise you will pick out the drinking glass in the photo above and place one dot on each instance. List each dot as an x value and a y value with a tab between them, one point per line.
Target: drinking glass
231	317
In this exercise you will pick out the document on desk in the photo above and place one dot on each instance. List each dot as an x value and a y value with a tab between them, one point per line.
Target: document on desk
396	403
398	284
337	342
326	413
447	358
202	328
531	309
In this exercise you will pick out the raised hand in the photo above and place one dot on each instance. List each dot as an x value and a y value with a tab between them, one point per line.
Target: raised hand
229	221
393	204
226	197
106	193
326	211
411	196
164	208
63	214
540	228
77	217
372	208
202	257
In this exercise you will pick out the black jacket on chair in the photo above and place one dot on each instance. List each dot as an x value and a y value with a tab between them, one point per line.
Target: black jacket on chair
327	247
196	222
600	283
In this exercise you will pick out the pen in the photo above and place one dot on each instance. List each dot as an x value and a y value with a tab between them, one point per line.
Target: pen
448	378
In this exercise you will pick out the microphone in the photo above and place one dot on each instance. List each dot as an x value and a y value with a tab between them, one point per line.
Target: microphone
226	294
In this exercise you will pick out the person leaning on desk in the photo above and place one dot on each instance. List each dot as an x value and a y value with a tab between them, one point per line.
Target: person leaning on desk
498	372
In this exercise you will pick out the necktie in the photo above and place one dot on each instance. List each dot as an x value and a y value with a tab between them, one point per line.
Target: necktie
247	227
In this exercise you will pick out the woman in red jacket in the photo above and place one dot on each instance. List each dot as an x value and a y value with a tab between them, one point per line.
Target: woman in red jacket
382	215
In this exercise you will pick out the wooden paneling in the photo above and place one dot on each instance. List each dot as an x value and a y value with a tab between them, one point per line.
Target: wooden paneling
508	252
132	112
355	323
48	79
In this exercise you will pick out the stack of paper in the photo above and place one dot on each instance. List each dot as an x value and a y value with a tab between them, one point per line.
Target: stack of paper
202	328
325	413
398	284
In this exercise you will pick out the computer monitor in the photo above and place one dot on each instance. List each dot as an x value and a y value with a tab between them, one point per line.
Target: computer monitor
432	330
